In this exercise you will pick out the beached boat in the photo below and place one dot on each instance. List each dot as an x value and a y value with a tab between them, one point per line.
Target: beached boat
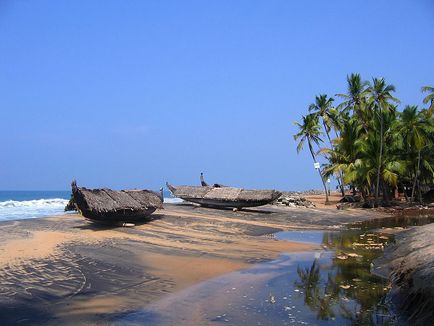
106	205
223	196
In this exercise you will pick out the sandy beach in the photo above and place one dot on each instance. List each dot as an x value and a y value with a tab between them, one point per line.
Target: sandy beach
67	270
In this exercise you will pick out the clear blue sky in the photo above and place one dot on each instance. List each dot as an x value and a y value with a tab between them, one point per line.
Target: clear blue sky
134	93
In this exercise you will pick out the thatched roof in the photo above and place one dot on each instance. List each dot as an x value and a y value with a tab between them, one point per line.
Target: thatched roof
107	200
250	195
225	193
189	191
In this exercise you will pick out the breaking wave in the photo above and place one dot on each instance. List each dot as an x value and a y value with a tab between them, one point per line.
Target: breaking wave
16	210
172	200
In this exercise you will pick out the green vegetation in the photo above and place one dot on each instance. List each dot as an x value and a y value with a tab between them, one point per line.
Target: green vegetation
371	146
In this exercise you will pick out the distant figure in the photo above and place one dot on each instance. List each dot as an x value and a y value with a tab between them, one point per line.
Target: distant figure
202	180
204	184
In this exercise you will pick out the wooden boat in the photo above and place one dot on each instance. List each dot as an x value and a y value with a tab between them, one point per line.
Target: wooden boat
124	206
222	196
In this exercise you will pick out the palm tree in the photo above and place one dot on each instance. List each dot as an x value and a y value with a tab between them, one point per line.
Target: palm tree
355	98
414	128
363	123
380	98
323	108
429	98
363	170
310	132
344	152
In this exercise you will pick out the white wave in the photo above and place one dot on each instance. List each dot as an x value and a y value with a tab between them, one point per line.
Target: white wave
54	202
15	210
172	200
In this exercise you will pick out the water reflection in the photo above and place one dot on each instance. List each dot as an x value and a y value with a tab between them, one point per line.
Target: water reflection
357	302
316	297
346	287
393	222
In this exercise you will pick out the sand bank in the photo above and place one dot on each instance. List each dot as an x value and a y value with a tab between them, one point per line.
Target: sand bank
66	270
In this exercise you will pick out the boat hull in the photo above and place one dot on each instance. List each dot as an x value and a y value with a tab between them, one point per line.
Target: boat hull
125	216
223	203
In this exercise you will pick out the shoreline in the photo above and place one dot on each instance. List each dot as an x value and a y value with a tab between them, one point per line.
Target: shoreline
75	271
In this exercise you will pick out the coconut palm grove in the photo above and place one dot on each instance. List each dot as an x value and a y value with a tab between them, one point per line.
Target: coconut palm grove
369	144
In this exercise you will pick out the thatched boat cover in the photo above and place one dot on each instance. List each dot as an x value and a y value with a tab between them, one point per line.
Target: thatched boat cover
190	191
107	200
251	195
223	194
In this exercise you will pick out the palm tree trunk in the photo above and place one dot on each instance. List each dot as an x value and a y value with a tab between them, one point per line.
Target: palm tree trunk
327	133
385	189
341	184
340	178
364	195
319	171
414	187
341	174
419	191
416	176
377	188
325	187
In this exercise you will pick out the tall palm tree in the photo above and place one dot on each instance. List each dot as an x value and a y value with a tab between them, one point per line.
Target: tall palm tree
414	128
381	100
310	132
323	108
429	98
363	170
344	152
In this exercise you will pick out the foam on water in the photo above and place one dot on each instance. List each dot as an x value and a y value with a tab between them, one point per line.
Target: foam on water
172	200
23	209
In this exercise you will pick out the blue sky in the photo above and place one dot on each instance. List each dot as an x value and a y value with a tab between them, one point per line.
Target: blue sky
134	93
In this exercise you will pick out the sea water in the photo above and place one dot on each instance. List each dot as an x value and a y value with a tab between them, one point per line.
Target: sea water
17	205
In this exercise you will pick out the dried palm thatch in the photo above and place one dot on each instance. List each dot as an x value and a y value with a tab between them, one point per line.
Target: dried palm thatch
224	196
115	206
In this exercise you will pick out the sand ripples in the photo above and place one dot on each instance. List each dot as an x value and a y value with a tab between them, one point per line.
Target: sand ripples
42	279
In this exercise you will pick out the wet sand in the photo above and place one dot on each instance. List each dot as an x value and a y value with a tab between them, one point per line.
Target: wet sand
66	270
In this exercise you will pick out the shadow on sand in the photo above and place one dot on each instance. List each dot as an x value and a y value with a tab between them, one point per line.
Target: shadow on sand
246	210
102	226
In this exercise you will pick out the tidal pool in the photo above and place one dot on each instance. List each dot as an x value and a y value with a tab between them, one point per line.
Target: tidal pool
332	286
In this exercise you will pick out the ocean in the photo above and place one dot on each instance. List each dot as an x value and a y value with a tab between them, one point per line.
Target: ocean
18	205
